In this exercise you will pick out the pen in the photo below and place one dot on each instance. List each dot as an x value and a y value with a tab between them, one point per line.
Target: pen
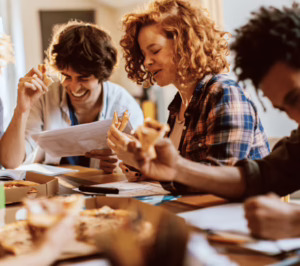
104	190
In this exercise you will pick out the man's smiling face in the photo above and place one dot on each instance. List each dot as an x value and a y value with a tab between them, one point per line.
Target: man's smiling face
83	90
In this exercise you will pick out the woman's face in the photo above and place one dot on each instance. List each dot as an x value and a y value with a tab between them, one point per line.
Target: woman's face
158	51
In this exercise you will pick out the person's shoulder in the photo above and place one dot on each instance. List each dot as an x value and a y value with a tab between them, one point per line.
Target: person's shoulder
114	87
222	85
221	82
116	91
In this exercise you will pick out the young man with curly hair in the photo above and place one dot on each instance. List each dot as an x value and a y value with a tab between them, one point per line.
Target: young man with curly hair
267	53
85	57
172	42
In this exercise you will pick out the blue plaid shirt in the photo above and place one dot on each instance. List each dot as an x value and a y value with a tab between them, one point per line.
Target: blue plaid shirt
221	123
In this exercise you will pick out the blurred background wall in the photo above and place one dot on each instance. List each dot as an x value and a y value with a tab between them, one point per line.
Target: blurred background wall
23	20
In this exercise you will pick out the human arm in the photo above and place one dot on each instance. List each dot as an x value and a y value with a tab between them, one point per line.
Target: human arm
169	166
277	172
269	217
12	146
224	181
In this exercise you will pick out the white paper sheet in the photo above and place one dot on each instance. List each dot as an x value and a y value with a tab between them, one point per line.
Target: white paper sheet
13	174
76	140
227	217
200	252
45	169
230	217
133	189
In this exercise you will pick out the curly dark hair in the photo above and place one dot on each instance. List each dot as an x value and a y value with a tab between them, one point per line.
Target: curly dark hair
200	48
84	47
272	35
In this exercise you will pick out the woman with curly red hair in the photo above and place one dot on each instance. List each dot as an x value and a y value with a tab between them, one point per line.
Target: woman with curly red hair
211	118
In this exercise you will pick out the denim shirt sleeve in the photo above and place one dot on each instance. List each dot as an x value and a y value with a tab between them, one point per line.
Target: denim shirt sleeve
279	172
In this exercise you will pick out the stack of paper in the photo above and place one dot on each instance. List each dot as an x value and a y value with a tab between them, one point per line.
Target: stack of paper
12	174
44	169
134	189
76	140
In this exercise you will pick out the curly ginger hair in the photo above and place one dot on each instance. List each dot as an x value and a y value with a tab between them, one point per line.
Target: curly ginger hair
200	48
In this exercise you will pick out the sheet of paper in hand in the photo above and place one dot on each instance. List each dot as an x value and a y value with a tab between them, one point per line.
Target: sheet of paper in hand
75	140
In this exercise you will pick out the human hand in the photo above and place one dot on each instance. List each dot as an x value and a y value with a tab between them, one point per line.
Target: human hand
269	217
163	167
30	88
118	142
131	173
108	159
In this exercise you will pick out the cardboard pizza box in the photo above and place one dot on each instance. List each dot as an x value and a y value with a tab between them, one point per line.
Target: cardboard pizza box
172	226
148	212
48	187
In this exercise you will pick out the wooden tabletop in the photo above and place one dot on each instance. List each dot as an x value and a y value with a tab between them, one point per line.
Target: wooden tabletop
235	253
184	203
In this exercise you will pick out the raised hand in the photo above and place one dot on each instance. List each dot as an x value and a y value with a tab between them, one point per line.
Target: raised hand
30	88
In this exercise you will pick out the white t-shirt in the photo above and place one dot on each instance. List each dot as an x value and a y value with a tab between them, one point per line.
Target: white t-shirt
176	133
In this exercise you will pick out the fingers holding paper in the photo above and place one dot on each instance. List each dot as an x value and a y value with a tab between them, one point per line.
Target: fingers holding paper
269	217
108	159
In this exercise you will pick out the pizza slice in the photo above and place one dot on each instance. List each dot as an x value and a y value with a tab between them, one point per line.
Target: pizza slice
20	183
46	79
43	213
15	239
149	133
105	220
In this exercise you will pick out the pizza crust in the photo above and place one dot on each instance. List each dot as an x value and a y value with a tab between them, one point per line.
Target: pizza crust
15	239
19	183
46	79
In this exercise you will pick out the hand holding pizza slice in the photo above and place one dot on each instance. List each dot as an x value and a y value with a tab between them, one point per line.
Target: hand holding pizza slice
145	138
149	134
46	79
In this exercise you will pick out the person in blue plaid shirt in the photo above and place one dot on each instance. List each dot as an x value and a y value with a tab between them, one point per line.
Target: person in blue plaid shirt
212	119
267	54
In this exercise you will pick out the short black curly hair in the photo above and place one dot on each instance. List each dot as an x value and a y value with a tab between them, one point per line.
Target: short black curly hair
272	35
84	47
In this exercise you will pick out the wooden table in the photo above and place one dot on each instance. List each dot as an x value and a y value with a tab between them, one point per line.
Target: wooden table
236	254
185	203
